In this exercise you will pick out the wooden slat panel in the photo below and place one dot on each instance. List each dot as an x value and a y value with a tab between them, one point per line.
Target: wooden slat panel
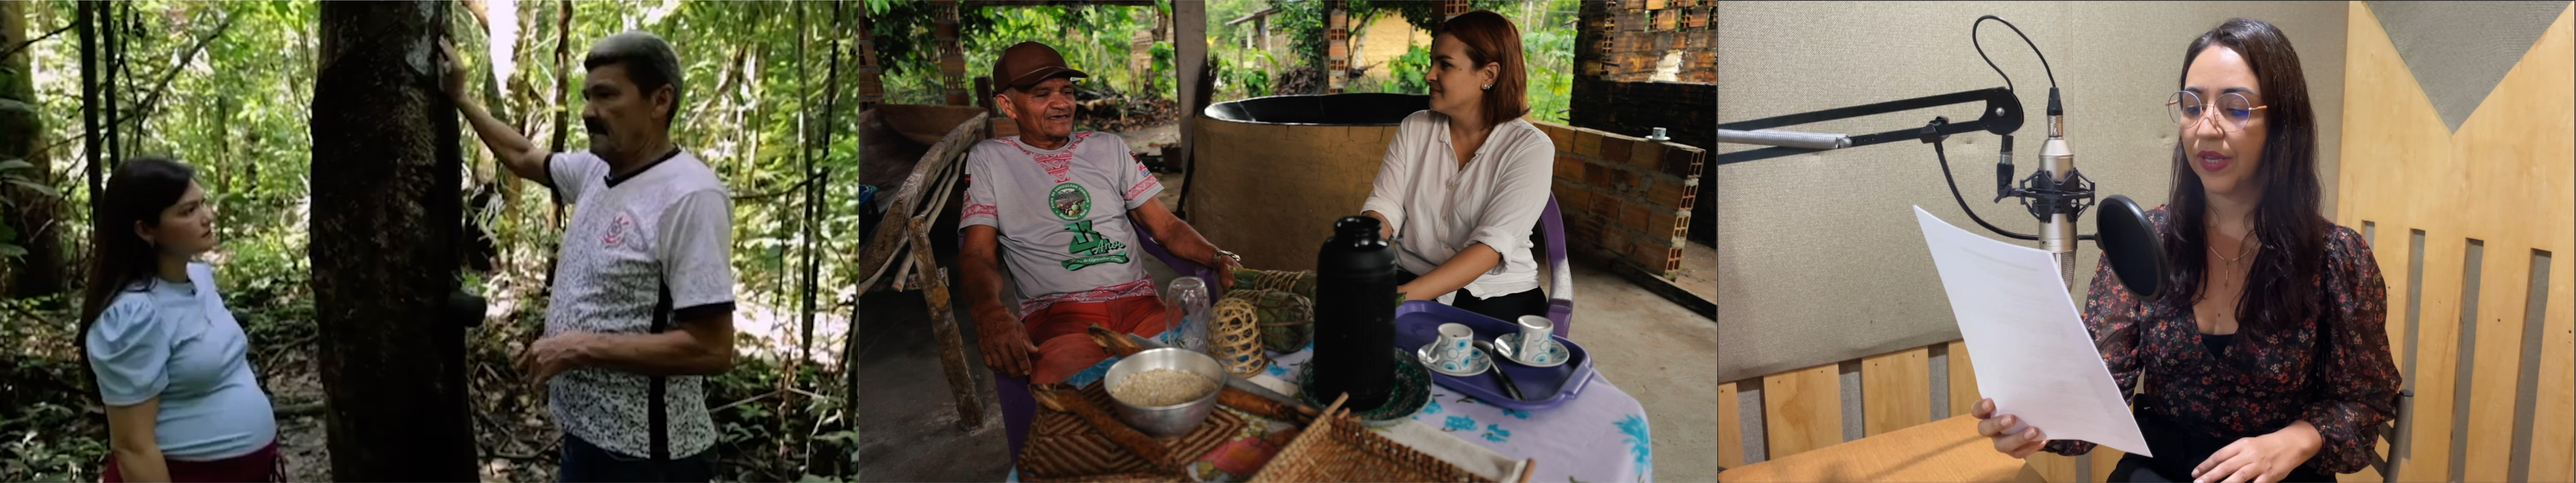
2515	155
1963	380
2057	468
1802	410
2553	438
1896	390
1730	428
2104	459
2437	358
2396	143
1963	396
2496	368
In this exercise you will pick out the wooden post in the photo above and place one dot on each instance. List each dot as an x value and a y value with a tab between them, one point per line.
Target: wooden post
943	326
871	89
984	95
1189	59
952	58
1337	50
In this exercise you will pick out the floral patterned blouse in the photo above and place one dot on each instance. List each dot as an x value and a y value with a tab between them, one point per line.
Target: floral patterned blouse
2265	382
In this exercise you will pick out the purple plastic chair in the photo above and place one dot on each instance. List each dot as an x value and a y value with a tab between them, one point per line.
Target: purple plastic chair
1019	408
1560	284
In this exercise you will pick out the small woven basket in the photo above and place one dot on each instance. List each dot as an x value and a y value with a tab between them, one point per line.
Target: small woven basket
1337	448
1301	282
1237	338
1287	320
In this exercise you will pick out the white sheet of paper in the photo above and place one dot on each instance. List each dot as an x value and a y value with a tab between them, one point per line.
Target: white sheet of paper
2033	355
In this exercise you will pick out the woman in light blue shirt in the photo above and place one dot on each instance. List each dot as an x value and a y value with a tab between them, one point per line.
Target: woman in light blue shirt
171	365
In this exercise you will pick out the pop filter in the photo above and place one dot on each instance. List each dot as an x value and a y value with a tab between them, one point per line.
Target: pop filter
2130	243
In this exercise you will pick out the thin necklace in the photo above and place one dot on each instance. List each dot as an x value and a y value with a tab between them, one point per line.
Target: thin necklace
2244	248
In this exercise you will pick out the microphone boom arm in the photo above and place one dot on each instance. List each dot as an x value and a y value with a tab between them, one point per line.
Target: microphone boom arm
2002	115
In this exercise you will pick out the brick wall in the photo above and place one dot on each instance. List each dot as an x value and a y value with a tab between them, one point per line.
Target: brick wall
1620	47
1625	199
1630	40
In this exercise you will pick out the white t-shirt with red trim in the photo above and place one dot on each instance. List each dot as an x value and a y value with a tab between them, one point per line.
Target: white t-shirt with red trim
1060	235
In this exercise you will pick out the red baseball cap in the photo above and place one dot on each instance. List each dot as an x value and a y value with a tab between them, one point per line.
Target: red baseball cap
1027	63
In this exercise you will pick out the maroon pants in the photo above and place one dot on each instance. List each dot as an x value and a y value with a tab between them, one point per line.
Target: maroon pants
258	466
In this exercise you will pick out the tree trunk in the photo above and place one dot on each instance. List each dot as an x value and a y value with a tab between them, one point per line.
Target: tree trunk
33	214
393	370
86	22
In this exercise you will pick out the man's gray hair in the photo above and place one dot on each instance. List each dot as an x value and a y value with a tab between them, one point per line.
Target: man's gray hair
650	63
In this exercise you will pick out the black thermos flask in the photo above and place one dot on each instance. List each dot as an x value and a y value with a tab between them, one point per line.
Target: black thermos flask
1355	315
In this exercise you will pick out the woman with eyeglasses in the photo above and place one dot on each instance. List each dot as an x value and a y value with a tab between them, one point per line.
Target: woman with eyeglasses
2266	357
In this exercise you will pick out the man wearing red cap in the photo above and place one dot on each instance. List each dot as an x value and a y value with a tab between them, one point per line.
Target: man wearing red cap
1036	201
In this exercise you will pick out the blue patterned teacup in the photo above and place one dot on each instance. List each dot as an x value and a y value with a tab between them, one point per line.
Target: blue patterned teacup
1454	346
1535	332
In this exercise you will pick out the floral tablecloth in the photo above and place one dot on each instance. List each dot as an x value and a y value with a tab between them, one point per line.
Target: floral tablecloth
1600	436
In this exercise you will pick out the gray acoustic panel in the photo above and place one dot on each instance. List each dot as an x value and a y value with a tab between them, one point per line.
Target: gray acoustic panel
2472	267
1819	258
2535	322
1940	382
2459	50
1853	422
1748	408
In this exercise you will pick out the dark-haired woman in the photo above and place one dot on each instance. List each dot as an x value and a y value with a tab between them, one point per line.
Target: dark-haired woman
2266	357
170	363
1464	181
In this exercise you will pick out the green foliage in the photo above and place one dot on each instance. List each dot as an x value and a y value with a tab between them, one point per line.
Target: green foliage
1424	16
1163	75
1303	21
1548	41
22	175
1236	81
1405	74
46	433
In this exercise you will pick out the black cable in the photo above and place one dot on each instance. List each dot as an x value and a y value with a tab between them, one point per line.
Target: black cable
1937	152
2025	39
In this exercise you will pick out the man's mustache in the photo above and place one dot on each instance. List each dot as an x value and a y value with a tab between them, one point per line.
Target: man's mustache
594	126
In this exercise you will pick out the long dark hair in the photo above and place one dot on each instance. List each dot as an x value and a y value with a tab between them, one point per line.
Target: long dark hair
2287	221
141	189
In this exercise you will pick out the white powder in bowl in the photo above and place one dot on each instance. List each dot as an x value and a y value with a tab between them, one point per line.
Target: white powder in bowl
1162	387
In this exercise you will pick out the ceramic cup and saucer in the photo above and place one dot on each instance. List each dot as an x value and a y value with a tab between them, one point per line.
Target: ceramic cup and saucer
1454	353
1533	346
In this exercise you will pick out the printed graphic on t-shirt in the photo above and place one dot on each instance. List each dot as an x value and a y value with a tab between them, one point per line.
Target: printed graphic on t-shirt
1094	248
1060	216
1070	201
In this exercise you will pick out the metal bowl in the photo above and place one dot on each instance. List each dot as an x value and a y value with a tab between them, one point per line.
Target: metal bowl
1166	421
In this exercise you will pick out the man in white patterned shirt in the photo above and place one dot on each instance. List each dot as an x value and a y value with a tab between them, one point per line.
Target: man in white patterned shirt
643	290
1056	205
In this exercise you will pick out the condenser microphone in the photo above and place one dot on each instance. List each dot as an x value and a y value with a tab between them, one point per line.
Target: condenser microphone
2057	168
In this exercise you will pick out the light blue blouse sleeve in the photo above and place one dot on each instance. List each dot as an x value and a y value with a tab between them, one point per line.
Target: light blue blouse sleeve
129	350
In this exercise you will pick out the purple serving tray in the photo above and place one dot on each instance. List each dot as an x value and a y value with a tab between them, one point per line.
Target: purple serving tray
1418	323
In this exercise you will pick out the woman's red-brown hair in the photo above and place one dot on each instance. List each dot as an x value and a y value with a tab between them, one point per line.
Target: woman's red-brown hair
1490	38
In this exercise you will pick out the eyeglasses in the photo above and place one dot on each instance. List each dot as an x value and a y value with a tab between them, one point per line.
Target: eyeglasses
2234	109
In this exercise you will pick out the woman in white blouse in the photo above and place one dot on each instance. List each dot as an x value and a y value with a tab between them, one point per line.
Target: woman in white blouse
1464	182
